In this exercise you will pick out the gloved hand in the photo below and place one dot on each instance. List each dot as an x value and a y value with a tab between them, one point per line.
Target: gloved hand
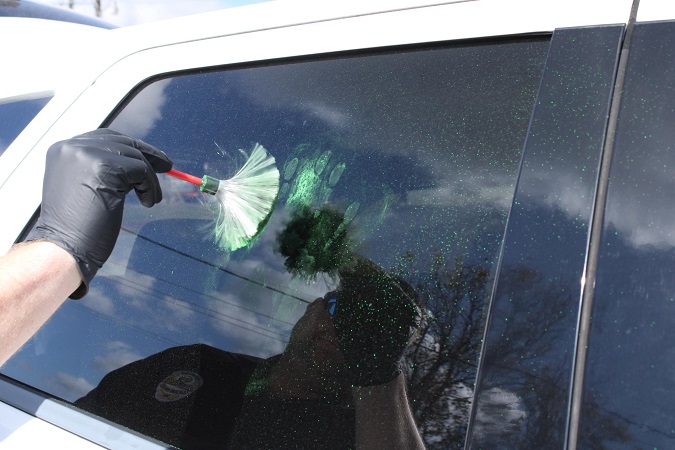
376	314
85	184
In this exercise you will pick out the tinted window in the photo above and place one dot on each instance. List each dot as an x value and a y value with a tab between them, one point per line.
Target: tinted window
397	174
630	367
14	116
527	361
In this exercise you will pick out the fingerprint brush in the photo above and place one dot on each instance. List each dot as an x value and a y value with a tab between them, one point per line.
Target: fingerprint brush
245	201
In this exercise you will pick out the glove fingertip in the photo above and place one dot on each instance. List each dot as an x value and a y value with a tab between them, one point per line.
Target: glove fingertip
149	198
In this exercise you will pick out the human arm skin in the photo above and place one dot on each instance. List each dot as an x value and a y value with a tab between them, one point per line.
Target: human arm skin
36	278
384	418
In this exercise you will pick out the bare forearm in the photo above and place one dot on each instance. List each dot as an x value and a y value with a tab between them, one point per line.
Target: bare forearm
35	279
384	418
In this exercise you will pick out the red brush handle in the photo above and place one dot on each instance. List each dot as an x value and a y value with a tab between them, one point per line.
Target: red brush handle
184	176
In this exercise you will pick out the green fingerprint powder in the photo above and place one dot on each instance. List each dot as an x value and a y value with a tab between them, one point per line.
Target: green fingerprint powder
305	188
315	241
310	178
351	212
289	168
336	174
321	162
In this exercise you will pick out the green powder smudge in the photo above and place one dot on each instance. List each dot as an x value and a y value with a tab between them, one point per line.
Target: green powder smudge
321	162
309	177
289	168
336	174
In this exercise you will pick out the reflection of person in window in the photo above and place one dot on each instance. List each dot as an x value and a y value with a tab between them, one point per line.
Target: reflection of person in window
341	365
337	384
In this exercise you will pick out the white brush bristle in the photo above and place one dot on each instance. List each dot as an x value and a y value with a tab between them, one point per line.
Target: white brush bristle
246	200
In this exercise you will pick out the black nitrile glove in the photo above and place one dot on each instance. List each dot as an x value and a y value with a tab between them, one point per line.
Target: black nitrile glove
85	183
376	314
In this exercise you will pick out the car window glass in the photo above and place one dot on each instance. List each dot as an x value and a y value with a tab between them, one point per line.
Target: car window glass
397	172
630	361
15	115
527	361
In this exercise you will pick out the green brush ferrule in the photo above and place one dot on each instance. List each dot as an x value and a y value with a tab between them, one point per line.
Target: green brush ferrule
209	185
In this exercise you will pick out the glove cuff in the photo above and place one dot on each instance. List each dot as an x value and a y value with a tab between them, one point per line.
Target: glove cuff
83	288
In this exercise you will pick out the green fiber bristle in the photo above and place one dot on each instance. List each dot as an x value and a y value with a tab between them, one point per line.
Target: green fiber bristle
247	200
